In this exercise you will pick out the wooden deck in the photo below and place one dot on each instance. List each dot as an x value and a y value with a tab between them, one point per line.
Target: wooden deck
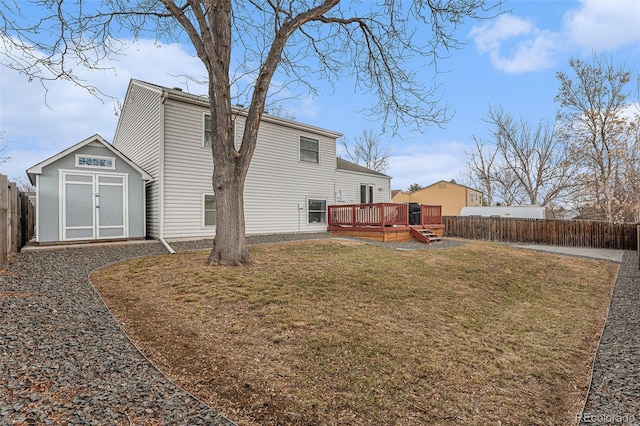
384	222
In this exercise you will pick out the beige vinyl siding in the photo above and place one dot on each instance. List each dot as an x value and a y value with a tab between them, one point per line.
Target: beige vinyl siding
451	196
138	137
350	182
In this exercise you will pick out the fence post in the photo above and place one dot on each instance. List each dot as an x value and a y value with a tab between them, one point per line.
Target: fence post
21	214
15	219
638	246
4	227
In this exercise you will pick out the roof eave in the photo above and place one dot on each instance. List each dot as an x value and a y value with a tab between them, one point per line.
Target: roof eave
203	101
37	169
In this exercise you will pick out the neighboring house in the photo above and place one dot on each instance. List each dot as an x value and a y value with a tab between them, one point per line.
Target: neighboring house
89	191
294	173
451	196
400	196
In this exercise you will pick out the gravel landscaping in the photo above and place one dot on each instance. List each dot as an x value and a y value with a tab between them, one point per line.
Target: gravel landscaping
614	396
65	360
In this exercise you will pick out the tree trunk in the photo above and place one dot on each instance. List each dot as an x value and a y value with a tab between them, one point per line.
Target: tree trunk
230	170
229	246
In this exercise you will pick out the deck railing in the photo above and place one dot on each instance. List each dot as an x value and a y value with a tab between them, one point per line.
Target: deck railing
430	215
377	214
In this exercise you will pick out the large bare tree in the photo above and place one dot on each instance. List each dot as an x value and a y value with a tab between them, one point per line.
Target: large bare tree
523	163
601	126
533	158
370	42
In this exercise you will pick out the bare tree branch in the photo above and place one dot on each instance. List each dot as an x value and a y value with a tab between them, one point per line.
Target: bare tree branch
601	130
299	42
368	151
524	165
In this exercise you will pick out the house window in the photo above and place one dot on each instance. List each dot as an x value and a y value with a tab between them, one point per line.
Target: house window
317	211
209	210
366	193
206	136
309	150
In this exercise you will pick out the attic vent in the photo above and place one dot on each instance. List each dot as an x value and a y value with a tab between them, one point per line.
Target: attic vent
179	89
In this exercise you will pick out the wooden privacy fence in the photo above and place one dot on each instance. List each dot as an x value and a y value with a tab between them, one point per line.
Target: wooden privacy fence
17	213
573	233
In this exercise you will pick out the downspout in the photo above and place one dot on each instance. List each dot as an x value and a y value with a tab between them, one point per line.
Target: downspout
37	230
167	246
144	207
164	242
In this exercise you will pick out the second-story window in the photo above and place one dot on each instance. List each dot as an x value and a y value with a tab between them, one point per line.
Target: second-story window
206	136
309	150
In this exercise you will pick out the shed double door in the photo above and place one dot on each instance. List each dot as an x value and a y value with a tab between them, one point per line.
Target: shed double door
94	206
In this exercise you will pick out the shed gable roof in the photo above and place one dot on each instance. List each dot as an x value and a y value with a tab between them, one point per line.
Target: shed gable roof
37	169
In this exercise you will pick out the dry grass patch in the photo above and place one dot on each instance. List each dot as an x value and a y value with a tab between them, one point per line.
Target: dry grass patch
329	333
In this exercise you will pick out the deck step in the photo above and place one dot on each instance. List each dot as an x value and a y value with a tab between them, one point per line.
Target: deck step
427	236
432	236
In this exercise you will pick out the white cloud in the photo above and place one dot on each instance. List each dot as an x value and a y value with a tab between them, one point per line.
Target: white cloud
34	131
490	35
306	108
603	25
285	96
426	164
515	45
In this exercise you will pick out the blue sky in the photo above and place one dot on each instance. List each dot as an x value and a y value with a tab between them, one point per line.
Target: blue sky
507	62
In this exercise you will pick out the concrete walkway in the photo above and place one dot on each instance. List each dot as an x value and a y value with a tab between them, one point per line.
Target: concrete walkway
595	253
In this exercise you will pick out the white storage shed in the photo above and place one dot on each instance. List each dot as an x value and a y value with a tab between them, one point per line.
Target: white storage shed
89	191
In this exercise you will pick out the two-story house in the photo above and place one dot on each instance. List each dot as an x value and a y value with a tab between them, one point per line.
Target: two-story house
294	173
